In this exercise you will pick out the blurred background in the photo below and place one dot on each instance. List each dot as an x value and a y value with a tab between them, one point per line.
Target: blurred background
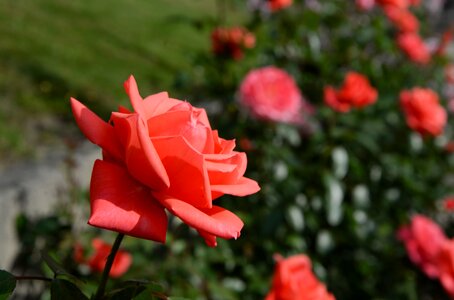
336	188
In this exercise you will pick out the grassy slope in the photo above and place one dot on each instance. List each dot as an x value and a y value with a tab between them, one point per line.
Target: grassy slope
53	49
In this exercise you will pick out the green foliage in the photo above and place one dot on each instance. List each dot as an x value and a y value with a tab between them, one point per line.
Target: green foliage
62	289
7	284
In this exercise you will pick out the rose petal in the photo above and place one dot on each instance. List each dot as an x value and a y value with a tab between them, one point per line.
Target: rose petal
243	187
215	221
121	204
141	158
185	124
95	129
239	161
132	90
158	104
186	170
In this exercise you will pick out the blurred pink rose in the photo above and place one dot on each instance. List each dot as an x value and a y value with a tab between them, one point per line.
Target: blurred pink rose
365	5
423	111
272	94
423	240
413	46
356	91
293	279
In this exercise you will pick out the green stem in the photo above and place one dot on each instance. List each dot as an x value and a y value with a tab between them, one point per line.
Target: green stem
109	262
33	278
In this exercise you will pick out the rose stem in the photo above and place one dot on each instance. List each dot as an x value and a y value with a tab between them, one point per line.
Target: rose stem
33	278
109	262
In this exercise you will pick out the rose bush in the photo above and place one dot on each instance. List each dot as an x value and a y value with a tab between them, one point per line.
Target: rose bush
163	155
423	111
293	279
272	94
356	91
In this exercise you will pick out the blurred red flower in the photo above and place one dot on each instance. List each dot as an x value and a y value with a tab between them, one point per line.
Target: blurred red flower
356	91
162	155
272	94
446	266
402	18
423	111
97	260
231	42
423	240
395	3
413	46
448	203
293	279
276	5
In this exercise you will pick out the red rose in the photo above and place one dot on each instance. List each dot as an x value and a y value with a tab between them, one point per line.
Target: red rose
446	266
423	112
412	45
275	5
403	19
293	279
230	42
162	155
272	94
423	240
355	92
97	260
448	203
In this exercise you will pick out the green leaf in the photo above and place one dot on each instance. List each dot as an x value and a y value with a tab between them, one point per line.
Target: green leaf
57	268
7	284
62	289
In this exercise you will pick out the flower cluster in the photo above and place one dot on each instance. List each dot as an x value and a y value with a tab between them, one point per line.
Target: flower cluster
407	24
231	42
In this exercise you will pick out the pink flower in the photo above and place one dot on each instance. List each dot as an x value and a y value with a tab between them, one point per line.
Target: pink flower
413	46
356	91
275	5
423	111
423	240
293	279
272	94
365	5
97	261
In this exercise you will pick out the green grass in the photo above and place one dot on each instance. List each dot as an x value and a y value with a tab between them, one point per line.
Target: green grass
53	49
